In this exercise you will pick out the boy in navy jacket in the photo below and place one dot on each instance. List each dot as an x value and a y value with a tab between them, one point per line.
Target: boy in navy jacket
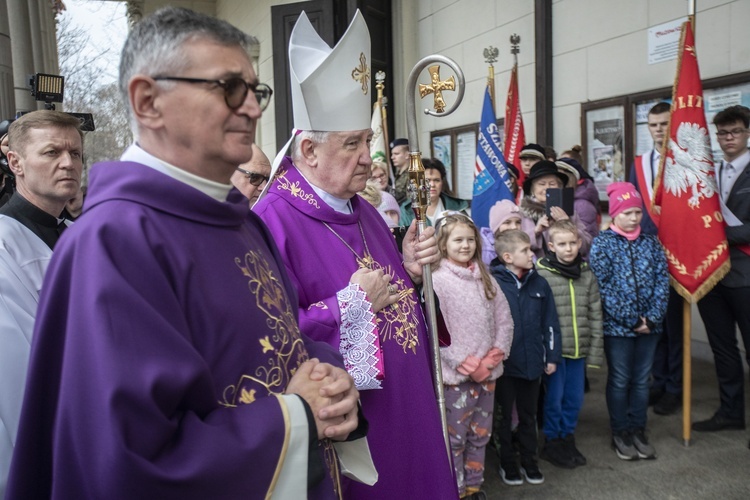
535	350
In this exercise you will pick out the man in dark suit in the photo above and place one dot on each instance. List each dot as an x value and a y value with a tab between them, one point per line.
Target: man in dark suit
725	307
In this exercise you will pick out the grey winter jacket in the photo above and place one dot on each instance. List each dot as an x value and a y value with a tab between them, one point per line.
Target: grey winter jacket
579	310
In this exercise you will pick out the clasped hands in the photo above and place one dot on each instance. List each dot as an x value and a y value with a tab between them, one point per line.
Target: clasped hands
332	397
478	369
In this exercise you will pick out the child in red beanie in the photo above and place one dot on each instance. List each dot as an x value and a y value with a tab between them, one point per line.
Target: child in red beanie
632	272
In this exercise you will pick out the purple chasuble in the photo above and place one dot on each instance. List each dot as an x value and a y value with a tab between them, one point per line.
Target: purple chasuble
405	433
164	332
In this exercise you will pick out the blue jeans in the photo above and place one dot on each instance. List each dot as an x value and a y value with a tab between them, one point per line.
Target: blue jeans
564	398
629	360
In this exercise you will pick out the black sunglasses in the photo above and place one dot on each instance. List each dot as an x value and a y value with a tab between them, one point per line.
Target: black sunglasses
235	90
253	178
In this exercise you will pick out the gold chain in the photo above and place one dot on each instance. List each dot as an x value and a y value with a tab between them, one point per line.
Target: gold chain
363	262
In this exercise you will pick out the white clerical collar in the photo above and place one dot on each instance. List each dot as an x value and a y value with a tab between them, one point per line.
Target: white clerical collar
215	190
340	205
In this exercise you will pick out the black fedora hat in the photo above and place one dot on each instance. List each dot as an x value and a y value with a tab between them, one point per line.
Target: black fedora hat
541	169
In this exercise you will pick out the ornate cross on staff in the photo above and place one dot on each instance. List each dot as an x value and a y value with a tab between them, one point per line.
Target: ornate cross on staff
420	194
437	87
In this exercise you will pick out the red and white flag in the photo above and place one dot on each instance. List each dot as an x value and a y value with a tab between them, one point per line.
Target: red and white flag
514	136
692	227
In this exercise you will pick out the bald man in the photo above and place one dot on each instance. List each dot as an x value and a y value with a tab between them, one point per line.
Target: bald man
250	178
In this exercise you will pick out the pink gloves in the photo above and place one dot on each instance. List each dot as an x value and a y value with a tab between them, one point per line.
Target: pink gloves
470	364
488	363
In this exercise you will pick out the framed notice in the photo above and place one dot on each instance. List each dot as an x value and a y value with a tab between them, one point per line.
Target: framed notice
442	149
604	146
457	149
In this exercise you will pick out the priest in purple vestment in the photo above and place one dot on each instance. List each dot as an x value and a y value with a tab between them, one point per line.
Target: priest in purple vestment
355	290
167	361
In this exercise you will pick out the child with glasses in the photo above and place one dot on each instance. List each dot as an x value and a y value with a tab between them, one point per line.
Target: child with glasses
478	319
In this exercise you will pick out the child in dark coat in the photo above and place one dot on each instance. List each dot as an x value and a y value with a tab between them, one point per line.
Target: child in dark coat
535	350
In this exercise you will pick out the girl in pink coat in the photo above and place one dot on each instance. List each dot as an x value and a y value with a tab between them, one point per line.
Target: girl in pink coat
479	321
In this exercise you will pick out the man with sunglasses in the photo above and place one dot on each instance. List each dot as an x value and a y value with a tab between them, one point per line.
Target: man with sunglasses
725	307
167	361
250	178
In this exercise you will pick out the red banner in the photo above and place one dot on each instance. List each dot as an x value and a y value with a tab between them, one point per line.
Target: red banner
514	136
692	227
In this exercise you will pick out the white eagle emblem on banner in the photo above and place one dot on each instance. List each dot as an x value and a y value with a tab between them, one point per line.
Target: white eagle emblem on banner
690	164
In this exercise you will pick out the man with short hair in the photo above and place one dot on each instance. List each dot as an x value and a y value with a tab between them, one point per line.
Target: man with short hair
356	291
251	177
665	394
168	362
400	162
725	307
44	154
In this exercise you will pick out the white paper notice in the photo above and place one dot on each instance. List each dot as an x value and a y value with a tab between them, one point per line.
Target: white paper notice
664	41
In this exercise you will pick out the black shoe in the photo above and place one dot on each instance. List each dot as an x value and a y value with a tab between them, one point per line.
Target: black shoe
668	404
556	452
577	456
531	473
654	395
718	423
477	495
511	475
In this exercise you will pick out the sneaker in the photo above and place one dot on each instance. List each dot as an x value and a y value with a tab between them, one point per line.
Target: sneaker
668	404
577	456
556	452
622	443
531	473
478	495
511	475
718	423
642	446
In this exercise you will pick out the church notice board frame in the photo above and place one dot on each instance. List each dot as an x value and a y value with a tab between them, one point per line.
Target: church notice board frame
457	149
719	93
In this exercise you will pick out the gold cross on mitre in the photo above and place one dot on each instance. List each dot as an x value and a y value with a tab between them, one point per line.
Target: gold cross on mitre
362	73
437	87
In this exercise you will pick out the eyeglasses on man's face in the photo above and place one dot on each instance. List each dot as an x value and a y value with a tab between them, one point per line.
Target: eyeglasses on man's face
235	89
735	132
253	178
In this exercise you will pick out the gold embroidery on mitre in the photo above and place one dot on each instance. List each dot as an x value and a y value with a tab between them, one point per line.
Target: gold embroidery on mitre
362	73
283	347
295	189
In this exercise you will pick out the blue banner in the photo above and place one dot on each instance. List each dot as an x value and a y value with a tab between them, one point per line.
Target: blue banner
491	179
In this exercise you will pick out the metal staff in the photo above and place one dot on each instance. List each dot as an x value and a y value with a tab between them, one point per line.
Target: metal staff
419	192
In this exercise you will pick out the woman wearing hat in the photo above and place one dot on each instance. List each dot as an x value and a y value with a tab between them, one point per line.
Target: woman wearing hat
542	176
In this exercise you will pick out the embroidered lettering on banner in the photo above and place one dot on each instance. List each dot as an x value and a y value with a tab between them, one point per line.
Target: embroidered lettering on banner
283	345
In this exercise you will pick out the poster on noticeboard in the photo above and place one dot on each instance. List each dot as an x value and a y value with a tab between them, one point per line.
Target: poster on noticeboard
605	144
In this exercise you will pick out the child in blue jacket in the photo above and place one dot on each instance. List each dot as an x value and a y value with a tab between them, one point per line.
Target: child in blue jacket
535	350
631	268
